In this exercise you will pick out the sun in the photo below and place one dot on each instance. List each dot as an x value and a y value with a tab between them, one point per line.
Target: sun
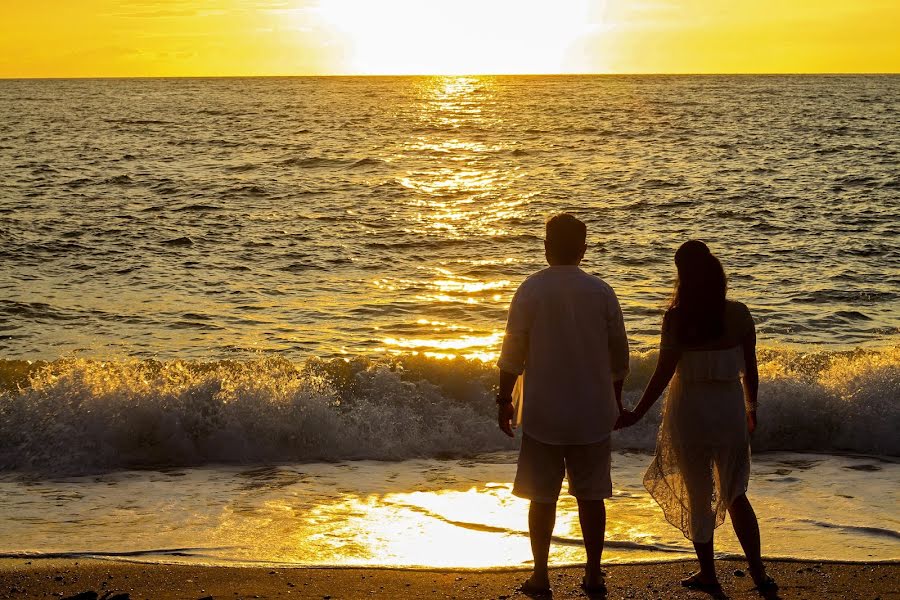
447	37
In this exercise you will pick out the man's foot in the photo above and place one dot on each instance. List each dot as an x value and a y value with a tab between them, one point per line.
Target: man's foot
594	586
699	581
535	585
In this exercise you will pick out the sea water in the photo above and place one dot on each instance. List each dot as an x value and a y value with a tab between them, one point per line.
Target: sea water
253	321
426	513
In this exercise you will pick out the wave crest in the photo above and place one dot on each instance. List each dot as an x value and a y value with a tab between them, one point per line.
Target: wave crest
824	401
80	415
77	414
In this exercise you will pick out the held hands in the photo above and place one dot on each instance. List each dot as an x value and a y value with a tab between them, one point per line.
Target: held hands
627	418
505	414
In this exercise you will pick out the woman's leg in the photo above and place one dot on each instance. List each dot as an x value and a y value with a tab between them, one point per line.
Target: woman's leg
695	464
707	574
743	519
698	481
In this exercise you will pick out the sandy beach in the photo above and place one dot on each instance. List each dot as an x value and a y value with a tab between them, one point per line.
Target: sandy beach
88	579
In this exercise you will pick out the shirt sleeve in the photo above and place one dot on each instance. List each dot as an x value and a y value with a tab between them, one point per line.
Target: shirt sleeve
515	342
618	339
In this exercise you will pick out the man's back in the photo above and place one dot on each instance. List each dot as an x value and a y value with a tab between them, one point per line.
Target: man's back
565	330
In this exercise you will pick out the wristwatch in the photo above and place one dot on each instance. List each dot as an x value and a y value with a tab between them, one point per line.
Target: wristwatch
501	399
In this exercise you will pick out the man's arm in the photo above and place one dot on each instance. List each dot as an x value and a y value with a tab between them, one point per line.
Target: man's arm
618	348
617	386
507	383
512	359
505	410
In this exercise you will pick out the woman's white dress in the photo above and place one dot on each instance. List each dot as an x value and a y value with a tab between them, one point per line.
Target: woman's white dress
702	460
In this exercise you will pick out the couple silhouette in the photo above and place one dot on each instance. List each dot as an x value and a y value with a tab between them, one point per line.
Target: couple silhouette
565	358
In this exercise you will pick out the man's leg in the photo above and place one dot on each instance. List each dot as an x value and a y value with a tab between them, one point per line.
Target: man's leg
541	520
590	483
539	478
592	514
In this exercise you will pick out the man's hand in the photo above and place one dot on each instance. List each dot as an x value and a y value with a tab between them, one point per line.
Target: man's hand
505	414
627	418
751	419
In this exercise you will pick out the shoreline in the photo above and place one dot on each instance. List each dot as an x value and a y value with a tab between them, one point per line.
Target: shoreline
69	578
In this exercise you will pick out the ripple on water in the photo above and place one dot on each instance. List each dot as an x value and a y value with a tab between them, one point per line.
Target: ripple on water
402	179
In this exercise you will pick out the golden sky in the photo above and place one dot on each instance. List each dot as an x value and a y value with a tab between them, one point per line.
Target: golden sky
116	38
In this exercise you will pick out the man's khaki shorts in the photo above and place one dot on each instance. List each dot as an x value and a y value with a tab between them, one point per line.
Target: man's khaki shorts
542	467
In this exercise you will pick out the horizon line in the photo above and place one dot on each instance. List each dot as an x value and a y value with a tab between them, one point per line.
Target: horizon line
398	75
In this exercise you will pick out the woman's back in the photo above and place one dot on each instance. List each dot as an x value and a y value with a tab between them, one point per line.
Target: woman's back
737	326
726	364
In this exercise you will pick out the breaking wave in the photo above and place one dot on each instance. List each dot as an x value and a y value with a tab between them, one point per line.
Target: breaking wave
79	415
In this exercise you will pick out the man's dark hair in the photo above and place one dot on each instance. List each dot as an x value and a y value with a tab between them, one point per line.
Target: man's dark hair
566	237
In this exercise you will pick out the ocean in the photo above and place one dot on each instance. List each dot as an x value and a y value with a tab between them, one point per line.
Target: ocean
253	321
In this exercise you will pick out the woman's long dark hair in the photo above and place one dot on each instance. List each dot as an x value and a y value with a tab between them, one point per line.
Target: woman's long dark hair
698	303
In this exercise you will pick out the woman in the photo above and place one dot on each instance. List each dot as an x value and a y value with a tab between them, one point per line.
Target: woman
702	463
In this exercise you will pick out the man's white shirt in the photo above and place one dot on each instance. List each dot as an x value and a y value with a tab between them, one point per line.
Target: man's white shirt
565	334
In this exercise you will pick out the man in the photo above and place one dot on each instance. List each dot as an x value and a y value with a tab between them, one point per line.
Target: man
565	335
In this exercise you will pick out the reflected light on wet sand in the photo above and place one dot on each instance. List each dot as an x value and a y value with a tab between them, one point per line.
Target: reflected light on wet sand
427	513
452	524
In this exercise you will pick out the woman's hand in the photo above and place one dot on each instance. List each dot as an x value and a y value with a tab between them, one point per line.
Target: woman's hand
627	418
751	419
662	374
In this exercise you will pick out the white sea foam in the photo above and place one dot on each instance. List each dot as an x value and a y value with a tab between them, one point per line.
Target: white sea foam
74	415
812	401
84	414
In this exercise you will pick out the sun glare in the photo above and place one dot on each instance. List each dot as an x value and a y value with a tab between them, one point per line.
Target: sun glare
407	37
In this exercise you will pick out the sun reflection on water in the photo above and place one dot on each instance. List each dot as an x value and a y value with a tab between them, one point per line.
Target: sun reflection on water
454	196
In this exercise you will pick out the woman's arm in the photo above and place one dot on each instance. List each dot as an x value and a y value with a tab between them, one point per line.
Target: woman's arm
665	368
669	355
751	378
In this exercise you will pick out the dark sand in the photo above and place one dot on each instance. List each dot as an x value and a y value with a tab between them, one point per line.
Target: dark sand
65	578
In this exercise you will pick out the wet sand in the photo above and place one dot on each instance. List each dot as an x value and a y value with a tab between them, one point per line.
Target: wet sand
68	578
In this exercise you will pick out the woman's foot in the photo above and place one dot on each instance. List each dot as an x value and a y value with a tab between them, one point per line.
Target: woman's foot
761	579
700	581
